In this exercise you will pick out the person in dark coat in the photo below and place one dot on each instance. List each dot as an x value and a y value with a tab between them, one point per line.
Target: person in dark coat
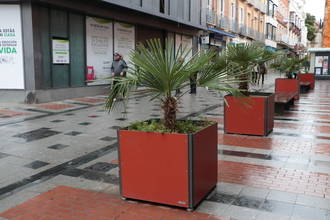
118	67
262	70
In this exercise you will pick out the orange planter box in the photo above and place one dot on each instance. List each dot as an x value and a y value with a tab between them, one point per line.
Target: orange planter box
253	115
172	169
307	77
288	85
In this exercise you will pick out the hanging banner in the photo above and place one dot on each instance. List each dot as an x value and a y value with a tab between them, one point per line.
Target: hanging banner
11	49
99	50
61	51
124	39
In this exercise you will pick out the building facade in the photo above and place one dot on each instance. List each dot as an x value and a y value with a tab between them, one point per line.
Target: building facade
54	49
326	27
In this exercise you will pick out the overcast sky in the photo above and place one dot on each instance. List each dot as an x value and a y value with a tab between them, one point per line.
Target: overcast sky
315	7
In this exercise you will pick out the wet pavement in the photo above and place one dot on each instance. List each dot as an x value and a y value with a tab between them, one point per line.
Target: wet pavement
59	161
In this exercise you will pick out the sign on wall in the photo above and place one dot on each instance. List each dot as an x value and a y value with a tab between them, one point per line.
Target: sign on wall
99	49
124	39
61	51
11	49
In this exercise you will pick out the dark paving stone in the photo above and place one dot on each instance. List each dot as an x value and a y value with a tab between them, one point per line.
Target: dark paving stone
222	198
73	172
121	119
36	164
69	114
213	114
57	121
102	167
115	127
2	155
58	146
97	176
125	112
277	207
154	115
322	163
37	134
155	109
73	133
93	116
107	138
85	123
248	202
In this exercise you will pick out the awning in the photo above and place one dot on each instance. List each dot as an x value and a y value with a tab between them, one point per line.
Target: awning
222	32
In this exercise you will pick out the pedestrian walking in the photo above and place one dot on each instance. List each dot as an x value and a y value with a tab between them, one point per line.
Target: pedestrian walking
193	83
262	70
118	67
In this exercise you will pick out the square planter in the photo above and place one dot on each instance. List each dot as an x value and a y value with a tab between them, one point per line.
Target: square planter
288	85
307	77
253	115
168	168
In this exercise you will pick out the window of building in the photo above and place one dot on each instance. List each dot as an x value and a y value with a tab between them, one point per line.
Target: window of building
241	15
233	10
270	32
271	8
162	6
222	7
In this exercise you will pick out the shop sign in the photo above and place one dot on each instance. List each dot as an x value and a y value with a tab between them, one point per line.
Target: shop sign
99	50
61	51
11	49
124	39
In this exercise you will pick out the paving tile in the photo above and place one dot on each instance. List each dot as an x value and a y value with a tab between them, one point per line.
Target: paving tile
2	155
58	146
272	216
249	202
37	134
242	213
85	123
36	164
229	188
280	196
278	207
102	167
313	201
107	138
255	192
73	133
308	213
57	121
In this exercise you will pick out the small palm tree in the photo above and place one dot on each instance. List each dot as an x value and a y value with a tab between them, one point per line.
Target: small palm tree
162	71
245	57
288	65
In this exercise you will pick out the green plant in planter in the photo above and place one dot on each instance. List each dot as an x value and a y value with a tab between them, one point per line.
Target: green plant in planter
162	71
288	65
244	58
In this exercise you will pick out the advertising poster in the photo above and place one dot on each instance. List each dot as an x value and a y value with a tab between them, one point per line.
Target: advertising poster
99	50
11	49
61	51
318	61
124	39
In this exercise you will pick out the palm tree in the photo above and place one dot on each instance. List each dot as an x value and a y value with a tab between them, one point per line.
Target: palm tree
245	57
162	71
288	65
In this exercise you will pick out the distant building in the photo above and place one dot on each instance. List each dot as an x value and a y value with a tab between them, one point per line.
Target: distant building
326	26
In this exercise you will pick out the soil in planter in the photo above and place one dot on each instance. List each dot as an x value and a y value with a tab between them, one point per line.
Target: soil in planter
181	126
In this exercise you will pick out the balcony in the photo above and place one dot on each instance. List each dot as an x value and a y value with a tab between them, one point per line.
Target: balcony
211	17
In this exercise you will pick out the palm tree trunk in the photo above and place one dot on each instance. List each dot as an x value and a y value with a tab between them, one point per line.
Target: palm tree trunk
170	108
244	85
